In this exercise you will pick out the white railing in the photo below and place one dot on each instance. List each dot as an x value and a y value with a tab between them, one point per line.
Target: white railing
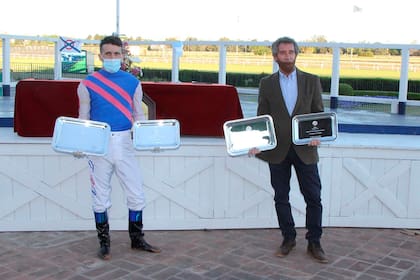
397	105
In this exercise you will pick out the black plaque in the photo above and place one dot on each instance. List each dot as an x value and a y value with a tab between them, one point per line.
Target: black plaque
322	126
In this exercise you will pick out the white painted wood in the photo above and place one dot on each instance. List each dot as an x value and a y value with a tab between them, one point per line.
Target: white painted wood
413	184
364	184
373	189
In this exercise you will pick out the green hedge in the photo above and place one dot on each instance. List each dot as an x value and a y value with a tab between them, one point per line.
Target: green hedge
345	89
372	84
235	79
360	86
252	80
347	86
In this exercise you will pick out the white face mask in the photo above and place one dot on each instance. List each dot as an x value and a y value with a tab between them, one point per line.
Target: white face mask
112	65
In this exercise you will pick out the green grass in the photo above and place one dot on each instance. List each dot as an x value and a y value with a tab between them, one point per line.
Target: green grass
373	67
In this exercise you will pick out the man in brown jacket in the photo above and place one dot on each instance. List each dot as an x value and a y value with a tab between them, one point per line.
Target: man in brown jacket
282	95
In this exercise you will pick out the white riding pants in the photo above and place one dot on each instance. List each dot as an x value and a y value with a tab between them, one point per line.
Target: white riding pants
121	160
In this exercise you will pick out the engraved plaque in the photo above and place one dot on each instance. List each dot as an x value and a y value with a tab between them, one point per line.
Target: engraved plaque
322	126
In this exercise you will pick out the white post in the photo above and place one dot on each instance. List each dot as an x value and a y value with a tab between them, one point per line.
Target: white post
58	73
6	67
176	54
403	91
222	64
335	75
335	78
118	19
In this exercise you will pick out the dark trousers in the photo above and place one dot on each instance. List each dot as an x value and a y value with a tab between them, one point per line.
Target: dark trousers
310	187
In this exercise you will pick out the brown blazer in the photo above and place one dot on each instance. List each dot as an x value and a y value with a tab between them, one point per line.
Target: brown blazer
271	102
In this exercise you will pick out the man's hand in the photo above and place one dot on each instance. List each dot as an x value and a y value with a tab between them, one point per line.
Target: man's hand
314	142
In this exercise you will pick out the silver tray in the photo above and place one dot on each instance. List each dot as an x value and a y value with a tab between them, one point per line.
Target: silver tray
244	134
83	136
156	135
322	126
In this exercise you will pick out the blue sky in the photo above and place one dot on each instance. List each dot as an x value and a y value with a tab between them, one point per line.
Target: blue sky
372	21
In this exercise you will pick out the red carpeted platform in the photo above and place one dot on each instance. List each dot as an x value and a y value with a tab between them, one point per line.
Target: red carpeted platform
201	109
38	103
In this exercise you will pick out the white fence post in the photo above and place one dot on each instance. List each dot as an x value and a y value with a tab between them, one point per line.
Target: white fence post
335	78
6	67
58	72
222	64
403	91
176	53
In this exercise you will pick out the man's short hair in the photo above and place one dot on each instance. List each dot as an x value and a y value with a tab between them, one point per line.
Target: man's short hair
113	40
282	40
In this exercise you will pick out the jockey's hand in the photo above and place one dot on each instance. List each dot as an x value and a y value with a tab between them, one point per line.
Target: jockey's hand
78	155
253	151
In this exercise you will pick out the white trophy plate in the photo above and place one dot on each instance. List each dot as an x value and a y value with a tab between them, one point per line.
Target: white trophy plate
82	136
244	134
322	126
156	135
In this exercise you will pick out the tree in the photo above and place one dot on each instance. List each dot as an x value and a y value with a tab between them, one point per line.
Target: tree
261	50
189	47
321	39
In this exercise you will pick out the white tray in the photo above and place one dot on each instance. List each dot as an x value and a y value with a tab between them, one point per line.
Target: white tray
83	136
156	135
244	134
322	126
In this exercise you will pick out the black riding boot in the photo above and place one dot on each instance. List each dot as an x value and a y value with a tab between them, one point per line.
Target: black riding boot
104	241
135	230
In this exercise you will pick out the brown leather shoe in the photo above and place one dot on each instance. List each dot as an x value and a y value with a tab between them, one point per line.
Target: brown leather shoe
315	251
286	246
